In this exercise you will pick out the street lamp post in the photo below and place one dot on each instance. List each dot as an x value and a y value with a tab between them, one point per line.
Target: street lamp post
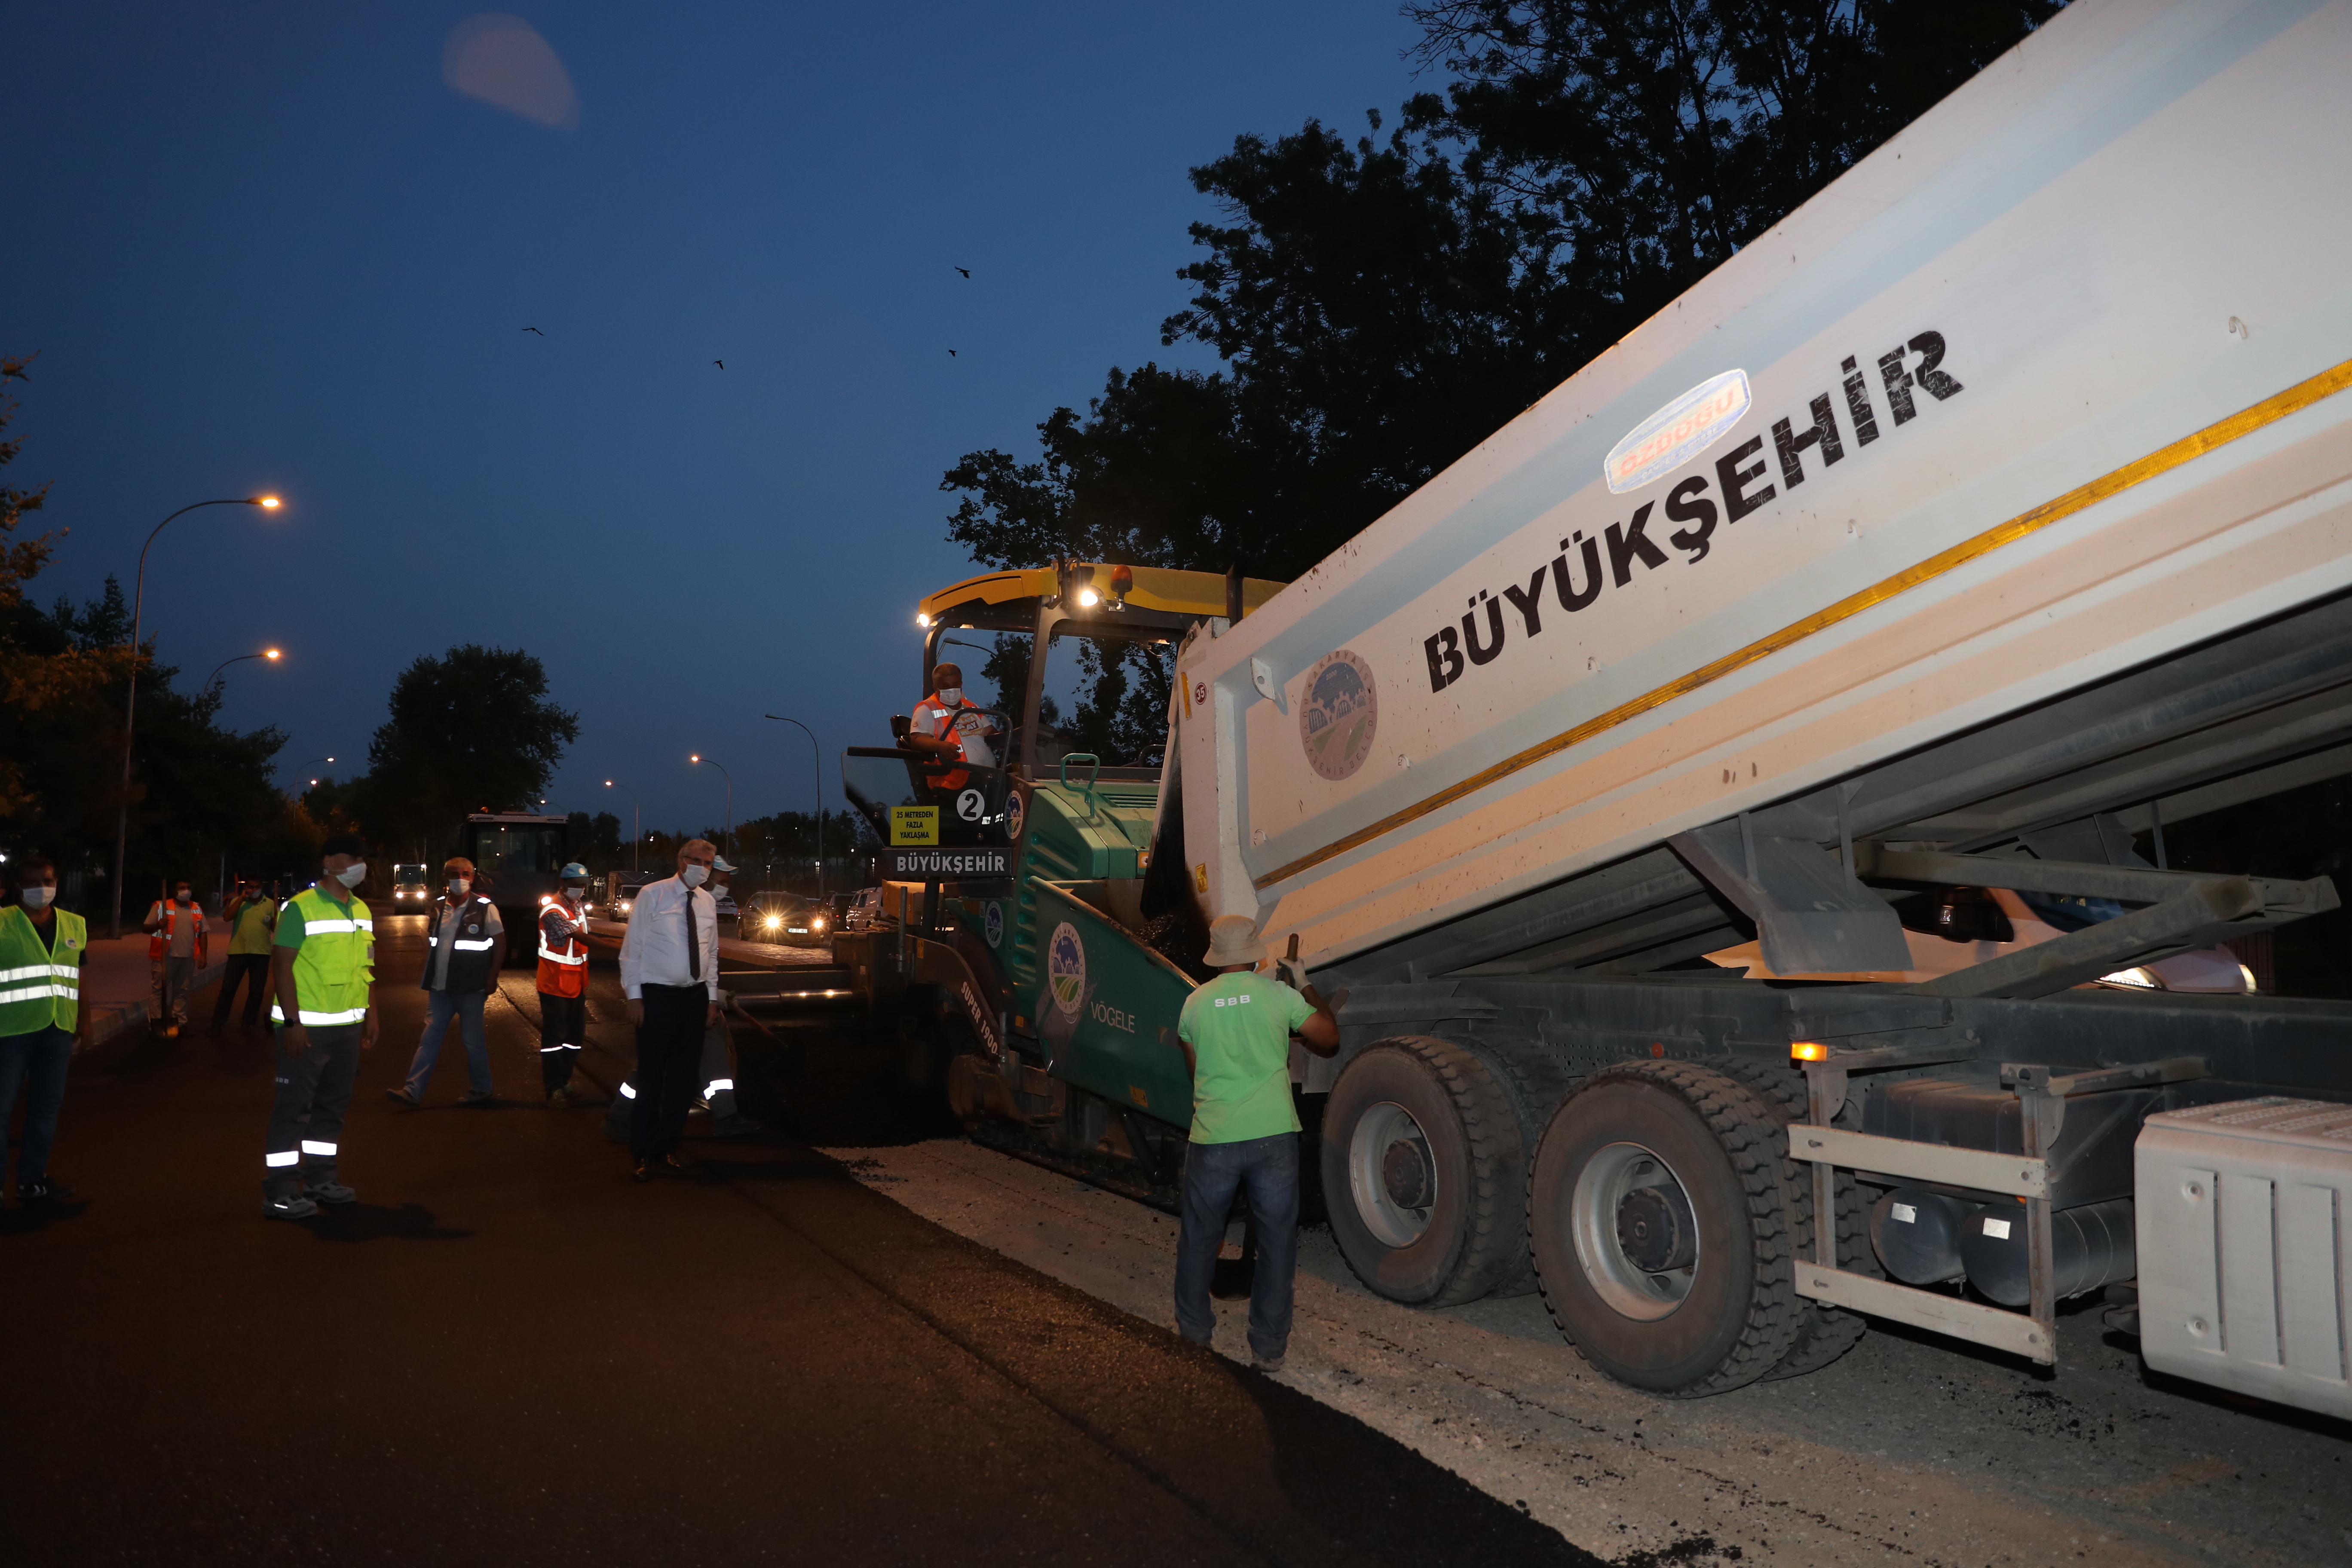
131	704
271	654
698	757
817	769
637	820
307	764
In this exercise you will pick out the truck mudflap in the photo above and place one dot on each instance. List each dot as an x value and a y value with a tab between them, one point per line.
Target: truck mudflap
1106	1010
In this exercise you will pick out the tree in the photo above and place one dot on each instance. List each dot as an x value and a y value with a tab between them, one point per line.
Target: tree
1384	305
596	840
470	731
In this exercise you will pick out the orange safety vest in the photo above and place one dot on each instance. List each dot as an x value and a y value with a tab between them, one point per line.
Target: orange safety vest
934	719
160	944
562	966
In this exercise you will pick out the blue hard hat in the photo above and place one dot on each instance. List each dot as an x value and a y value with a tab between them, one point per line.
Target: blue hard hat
573	872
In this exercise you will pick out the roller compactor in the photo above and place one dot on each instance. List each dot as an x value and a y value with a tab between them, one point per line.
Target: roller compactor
1984	518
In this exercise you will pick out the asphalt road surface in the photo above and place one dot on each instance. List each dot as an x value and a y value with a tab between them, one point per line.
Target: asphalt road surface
506	1352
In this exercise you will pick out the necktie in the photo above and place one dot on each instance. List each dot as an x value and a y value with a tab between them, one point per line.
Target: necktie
693	942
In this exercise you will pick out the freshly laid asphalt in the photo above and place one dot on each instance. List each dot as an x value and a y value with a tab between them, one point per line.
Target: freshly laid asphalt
506	1352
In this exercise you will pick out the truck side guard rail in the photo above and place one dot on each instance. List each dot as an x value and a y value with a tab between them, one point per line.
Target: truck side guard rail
2032	1334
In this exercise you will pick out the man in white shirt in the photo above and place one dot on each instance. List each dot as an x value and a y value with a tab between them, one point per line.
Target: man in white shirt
670	972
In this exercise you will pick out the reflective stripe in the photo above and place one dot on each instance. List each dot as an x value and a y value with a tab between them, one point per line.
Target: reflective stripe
626	1092
481	946
277	1015
310	1147
51	989
549	954
543	1050
366	925
327	928
32	969
287	1158
716	1085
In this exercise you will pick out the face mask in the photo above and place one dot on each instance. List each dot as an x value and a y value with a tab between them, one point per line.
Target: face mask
952	695
575	894
352	875
693	875
182	895
39	898
459	884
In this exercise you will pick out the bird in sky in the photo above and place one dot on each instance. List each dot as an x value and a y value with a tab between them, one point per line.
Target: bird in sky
534	330
951	353
720	363
965	270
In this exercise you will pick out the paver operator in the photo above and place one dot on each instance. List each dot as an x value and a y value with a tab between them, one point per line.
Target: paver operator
175	955
563	984
41	952
945	726
1235	1033
323	969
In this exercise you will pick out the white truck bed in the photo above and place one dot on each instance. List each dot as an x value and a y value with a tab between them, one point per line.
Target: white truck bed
2110	273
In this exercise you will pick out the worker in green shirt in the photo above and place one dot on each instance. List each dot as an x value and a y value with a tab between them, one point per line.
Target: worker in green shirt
1235	1033
252	916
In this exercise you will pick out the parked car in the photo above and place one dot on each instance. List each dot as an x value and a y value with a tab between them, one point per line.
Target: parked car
864	911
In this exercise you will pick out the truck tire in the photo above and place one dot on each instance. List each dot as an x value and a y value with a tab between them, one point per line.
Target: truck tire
1823	1332
1660	1203
1535	1082
1424	1171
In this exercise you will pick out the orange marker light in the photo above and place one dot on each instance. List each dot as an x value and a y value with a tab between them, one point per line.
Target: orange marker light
1808	1051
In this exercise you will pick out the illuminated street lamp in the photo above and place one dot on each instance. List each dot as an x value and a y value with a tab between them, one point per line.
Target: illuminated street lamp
131	704
637	820
698	757
271	654
314	781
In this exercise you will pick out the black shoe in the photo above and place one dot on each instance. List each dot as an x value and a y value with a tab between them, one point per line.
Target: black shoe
402	1097
44	1190
643	1173
476	1096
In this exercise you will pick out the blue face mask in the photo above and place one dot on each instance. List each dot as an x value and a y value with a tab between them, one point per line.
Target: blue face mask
39	898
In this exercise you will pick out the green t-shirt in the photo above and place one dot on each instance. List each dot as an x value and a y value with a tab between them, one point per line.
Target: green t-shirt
251	933
1239	1026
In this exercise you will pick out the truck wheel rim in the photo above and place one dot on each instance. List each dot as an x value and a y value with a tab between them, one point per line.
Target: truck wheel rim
1617	1176
1381	1157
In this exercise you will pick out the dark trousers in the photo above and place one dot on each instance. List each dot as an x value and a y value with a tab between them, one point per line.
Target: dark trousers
669	1057
253	968
38	1061
1268	1168
563	1029
306	1123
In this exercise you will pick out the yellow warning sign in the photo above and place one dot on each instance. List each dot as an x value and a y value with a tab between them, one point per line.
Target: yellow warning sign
912	826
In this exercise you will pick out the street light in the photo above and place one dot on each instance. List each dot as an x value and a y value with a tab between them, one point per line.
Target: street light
131	704
314	781
698	757
816	760
637	820
271	654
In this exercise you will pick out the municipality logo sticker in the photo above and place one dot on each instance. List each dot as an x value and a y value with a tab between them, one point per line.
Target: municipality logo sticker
992	922
1012	811
1337	714
1678	432
1065	969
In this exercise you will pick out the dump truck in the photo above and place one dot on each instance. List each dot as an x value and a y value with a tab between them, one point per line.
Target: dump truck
1632	783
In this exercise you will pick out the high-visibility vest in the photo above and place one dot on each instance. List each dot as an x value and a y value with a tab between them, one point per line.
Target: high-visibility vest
466	928
335	964
936	720
171	909
40	988
562	966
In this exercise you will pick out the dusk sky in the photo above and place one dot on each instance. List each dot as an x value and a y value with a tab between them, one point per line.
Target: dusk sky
293	247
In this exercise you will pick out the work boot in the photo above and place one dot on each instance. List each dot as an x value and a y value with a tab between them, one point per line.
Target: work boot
402	1097
289	1208
565	1097
476	1096
43	1190
1269	1364
330	1192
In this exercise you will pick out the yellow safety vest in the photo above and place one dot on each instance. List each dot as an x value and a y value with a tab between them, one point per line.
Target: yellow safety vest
335	964
39	988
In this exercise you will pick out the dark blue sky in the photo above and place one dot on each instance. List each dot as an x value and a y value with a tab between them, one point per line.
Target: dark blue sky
268	247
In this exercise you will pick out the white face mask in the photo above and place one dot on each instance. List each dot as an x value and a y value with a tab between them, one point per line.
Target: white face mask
459	884
693	875
39	898
182	896
575	894
951	695
352	875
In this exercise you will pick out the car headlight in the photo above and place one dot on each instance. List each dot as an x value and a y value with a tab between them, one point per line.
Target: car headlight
818	924
624	906
772	921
